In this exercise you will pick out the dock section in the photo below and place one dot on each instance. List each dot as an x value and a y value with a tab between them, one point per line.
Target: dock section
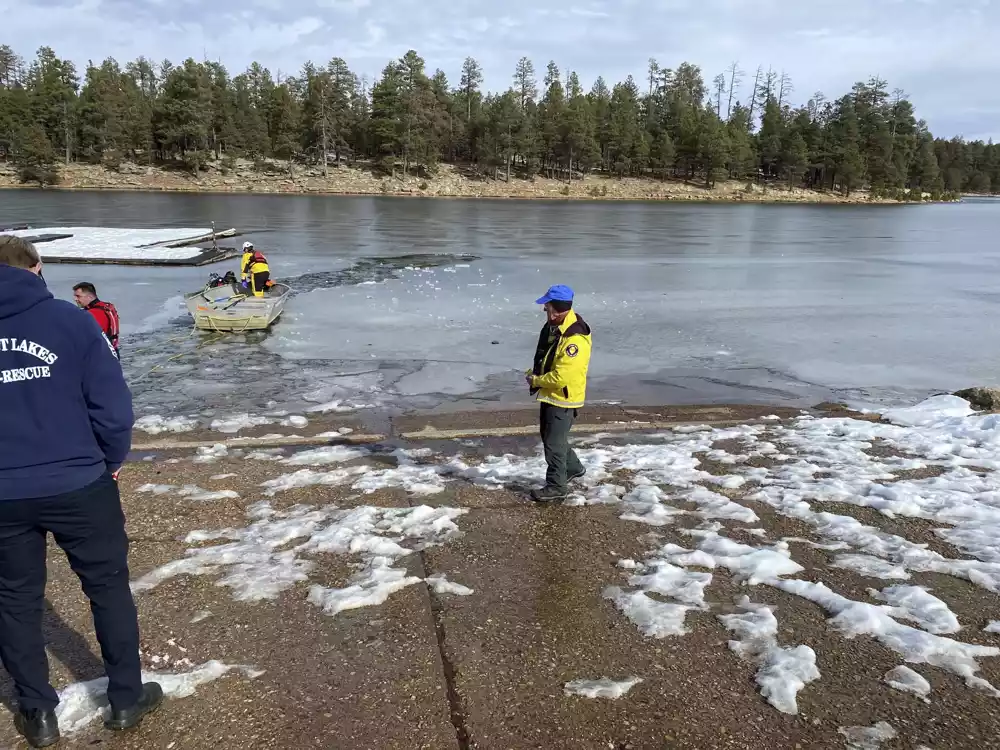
128	247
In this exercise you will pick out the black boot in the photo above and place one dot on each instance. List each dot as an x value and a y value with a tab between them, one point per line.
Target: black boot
39	727
579	475
549	494
149	701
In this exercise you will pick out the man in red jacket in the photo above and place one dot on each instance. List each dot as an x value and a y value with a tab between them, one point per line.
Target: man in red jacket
104	313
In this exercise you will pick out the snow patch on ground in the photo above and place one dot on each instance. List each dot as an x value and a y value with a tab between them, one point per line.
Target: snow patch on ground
854	618
417	479
440	584
199	616
602	688
916	603
207	455
871	567
189	491
268	556
868	738
237	422
83	703
329	454
782	672
905	679
154	424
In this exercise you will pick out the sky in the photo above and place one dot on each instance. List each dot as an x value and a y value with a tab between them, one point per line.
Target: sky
942	53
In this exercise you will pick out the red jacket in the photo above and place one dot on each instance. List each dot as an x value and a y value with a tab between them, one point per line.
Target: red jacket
107	318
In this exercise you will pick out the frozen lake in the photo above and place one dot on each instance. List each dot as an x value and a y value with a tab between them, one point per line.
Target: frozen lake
428	303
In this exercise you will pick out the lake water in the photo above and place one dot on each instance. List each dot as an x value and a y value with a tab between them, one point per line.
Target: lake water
428	303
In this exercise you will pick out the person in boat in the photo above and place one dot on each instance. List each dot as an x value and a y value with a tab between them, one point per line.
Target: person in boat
104	313
255	274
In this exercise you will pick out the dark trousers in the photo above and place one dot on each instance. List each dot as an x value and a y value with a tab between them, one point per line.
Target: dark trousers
258	281
561	459
90	527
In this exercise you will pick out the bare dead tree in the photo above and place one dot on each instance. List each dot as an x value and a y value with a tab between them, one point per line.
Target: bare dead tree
720	89
753	97
735	79
785	88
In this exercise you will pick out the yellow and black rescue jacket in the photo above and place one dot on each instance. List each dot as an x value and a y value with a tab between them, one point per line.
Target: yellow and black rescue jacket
252	262
562	359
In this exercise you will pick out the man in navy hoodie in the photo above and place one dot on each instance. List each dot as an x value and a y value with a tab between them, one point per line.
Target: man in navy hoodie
67	428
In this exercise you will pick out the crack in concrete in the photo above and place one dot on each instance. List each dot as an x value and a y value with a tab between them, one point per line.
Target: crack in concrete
456	703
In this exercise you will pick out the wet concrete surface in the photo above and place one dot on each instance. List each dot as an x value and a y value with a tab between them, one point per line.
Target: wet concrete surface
486	671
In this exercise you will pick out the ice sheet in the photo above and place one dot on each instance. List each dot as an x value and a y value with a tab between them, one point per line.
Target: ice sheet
929	411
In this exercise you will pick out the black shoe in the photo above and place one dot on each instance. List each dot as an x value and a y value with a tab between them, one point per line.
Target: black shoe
549	494
578	475
39	727
149	701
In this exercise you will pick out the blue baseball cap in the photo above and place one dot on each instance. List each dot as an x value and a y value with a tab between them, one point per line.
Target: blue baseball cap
557	293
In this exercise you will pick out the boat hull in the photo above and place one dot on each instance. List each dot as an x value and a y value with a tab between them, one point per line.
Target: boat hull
227	309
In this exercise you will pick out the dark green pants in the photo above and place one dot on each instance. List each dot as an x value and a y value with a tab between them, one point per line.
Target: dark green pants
561	459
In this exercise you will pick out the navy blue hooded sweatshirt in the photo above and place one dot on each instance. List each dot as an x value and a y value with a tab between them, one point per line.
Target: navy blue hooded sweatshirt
65	409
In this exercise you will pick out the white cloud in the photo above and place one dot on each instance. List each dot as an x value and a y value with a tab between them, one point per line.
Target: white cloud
942	54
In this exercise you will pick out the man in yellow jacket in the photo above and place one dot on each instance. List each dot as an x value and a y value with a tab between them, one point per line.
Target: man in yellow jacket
254	271
558	380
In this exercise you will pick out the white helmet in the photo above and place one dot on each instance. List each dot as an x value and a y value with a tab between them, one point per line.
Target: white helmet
248	246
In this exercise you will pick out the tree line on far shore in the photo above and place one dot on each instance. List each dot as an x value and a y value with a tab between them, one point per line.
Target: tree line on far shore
671	125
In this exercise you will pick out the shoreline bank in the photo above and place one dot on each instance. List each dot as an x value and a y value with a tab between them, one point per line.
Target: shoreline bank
359	428
449	182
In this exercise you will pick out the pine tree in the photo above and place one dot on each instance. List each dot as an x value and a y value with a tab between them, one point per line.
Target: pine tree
386	117
183	117
663	155
579	143
52	85
196	112
472	79
34	156
525	83
794	156
551	118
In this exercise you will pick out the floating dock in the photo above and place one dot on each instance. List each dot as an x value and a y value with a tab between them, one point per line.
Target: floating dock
206	257
128	247
192	241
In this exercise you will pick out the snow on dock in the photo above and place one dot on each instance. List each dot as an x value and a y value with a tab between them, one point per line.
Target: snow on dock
173	246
